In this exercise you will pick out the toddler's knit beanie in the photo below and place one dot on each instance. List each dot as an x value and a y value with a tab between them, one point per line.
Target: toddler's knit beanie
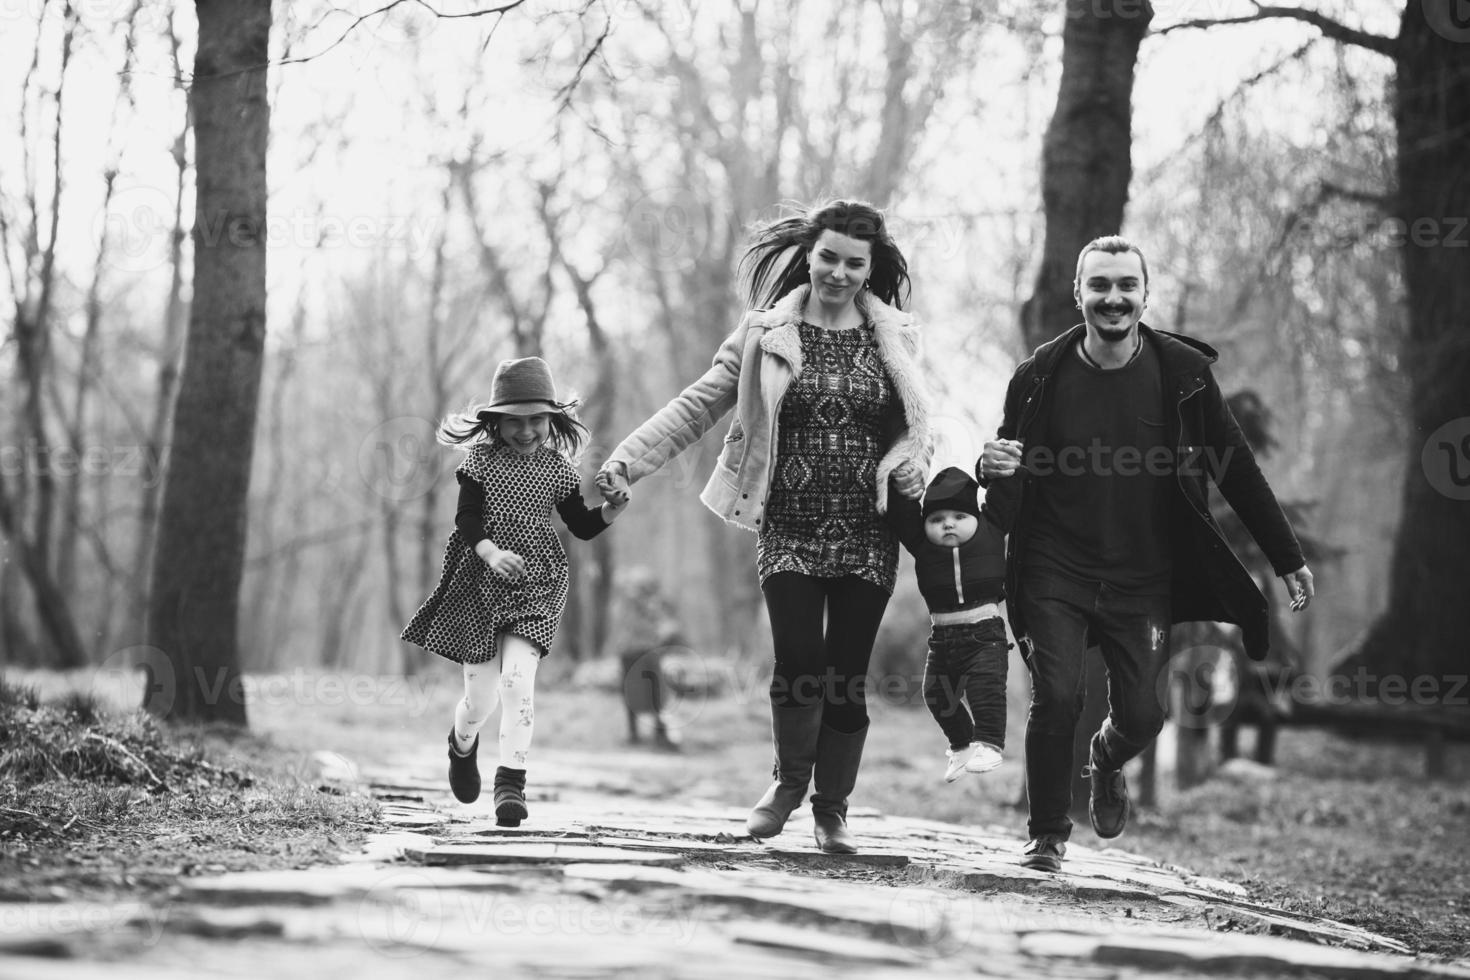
952	489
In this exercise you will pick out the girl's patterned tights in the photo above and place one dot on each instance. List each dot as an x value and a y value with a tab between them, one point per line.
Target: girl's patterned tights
510	680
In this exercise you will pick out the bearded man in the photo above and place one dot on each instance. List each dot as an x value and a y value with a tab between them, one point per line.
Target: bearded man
1098	472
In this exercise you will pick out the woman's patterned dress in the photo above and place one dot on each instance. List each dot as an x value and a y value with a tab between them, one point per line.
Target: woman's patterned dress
822	516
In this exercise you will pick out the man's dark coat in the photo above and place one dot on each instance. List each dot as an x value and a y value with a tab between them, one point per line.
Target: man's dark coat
1209	582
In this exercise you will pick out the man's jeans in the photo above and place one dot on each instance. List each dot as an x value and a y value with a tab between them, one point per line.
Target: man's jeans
968	659
1061	615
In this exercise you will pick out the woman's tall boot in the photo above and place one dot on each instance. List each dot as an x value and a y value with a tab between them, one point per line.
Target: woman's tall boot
794	731
839	756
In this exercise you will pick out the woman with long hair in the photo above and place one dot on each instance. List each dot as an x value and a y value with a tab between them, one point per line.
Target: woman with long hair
830	404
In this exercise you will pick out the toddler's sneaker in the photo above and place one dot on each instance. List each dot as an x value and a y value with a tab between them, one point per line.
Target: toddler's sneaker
957	758
983	757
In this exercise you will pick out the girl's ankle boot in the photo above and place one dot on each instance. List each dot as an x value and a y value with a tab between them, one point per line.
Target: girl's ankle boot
510	797
464	771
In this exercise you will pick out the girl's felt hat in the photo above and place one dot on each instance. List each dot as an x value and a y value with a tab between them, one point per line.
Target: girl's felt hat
523	386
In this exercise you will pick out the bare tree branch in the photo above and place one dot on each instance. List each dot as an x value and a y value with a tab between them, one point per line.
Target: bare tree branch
564	93
357	22
1235	96
1328	190
494	264
1335	30
314	540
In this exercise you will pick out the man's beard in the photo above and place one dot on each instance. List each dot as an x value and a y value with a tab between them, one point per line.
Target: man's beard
1110	333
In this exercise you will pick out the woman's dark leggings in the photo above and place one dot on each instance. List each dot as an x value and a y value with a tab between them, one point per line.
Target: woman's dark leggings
821	661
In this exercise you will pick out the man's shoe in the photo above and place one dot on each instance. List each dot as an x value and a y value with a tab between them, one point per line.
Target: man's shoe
1045	853
1107	800
983	757
464	771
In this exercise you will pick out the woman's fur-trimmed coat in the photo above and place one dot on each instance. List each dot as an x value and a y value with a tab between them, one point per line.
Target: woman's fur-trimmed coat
751	372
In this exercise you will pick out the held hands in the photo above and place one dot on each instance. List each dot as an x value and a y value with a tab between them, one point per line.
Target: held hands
908	480
1299	584
1000	458
506	564
612	508
612	481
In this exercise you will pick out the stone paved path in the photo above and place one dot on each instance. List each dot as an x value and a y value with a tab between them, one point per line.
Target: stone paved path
600	882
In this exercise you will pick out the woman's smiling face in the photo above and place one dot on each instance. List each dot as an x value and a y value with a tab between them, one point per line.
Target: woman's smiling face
839	266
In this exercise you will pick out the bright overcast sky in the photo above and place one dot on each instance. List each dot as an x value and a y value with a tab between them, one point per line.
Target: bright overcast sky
374	96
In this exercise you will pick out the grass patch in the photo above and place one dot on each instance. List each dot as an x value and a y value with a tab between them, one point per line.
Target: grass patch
1346	830
1389	854
93	804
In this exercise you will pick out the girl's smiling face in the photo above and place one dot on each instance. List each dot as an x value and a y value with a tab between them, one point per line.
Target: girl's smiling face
525	433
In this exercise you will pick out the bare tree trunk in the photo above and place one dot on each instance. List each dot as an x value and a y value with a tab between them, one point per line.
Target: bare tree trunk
51	607
442	359
594	586
1423	631
1085	170
337	602
170	356
1087	154
33	333
197	567
27	510
77	428
16	645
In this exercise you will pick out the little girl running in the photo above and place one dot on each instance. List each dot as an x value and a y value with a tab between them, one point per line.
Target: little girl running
504	584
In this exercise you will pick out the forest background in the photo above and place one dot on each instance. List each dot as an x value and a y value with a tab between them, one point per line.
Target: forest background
448	188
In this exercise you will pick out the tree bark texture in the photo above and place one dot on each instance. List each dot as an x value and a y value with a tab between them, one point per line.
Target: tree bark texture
1085	169
1087	152
1425	629
200	550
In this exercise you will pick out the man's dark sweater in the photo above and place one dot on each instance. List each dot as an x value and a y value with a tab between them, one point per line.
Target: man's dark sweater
1102	476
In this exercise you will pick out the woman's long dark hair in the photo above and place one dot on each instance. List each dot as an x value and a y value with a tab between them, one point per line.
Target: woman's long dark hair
479	424
776	261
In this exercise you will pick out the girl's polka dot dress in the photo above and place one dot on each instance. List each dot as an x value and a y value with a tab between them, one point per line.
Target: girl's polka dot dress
471	603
